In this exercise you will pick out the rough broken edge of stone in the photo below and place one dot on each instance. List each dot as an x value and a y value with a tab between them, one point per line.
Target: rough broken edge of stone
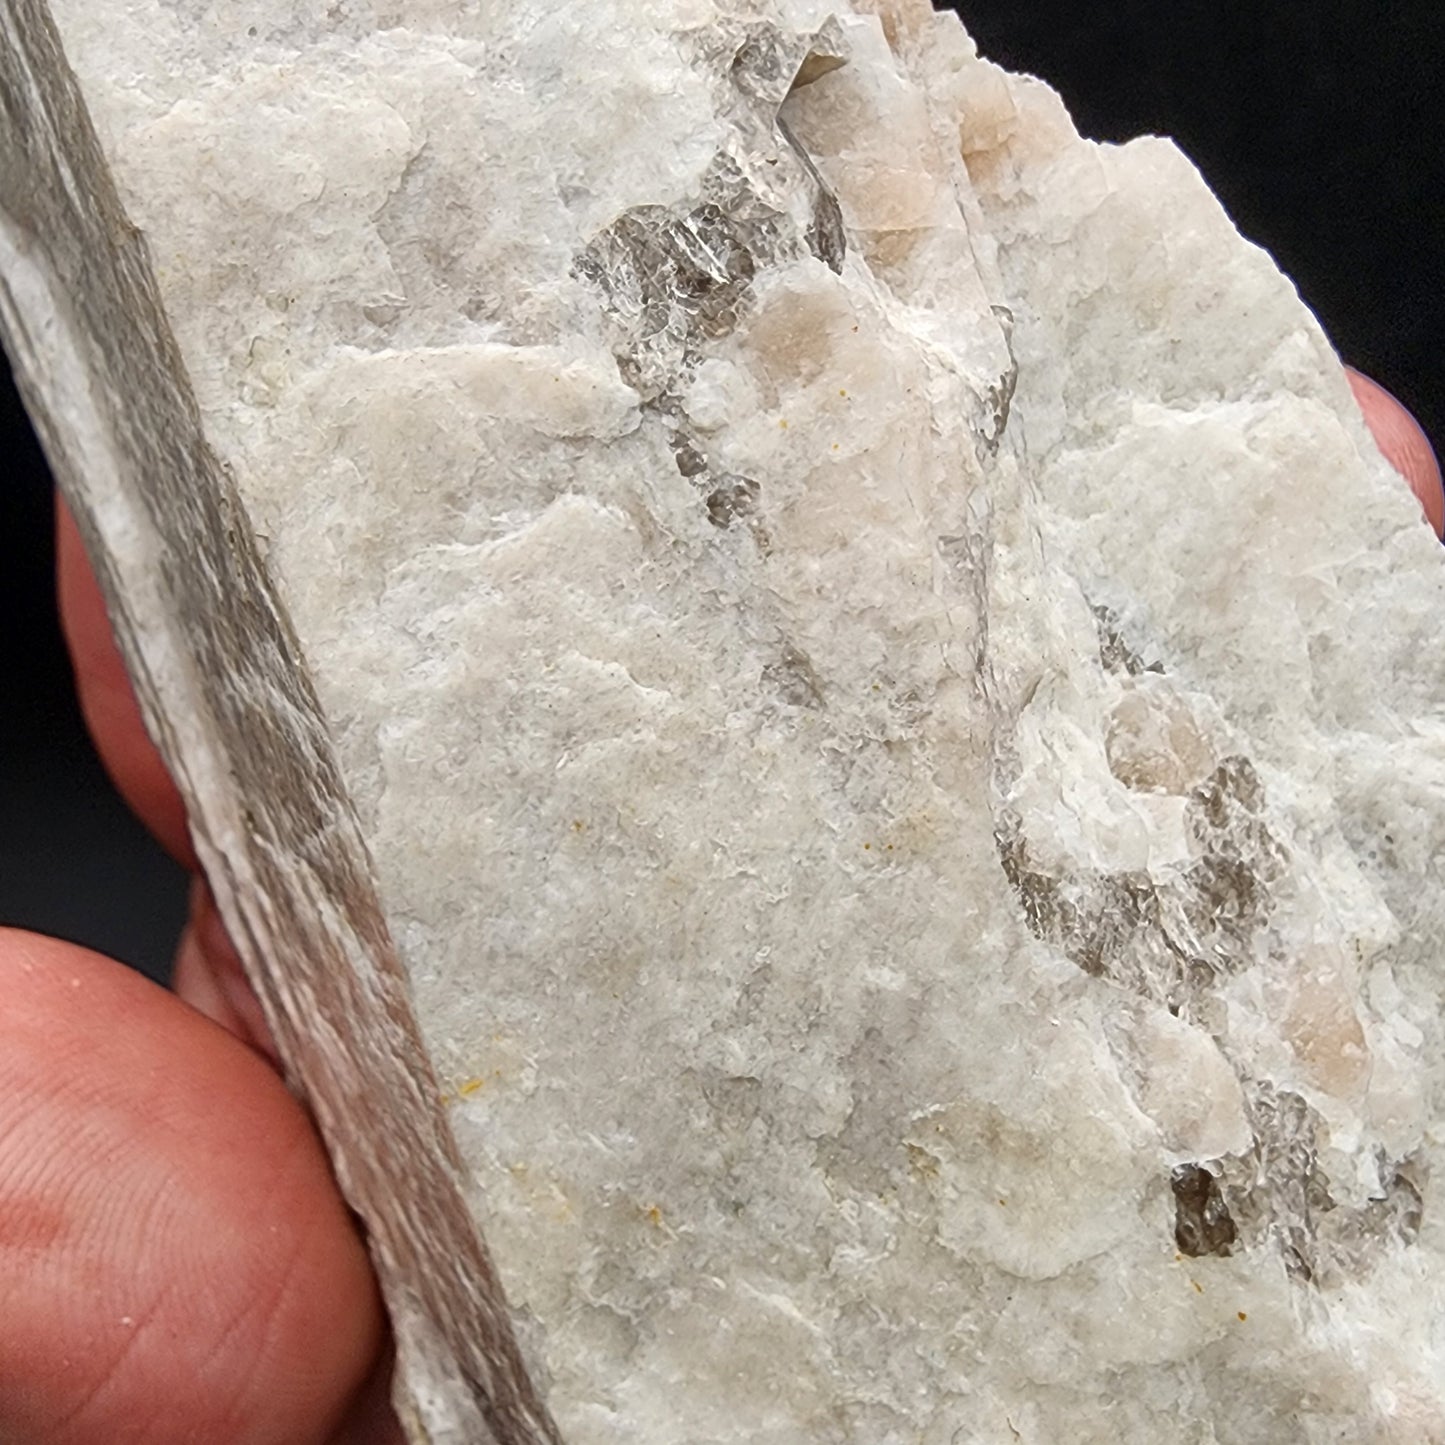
238	723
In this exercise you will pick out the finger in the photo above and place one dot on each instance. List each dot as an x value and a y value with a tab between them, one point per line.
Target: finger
107	701
1404	445
175	1260
208	974
372	1421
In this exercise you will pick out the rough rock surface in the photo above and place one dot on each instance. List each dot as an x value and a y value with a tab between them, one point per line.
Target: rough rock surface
893	705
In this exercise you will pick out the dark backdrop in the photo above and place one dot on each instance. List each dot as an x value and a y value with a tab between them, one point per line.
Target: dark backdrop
1317	124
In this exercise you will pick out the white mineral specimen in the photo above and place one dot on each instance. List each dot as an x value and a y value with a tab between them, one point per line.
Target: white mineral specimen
897	710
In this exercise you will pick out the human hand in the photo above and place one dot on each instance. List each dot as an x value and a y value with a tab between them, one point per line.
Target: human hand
1404	444
176	1263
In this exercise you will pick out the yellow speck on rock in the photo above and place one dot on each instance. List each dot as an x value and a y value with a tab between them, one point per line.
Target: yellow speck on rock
654	1216
1242	1315
468	1087
783	422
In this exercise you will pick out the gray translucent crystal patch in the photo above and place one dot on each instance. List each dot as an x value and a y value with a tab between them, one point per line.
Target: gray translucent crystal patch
732	498
1279	1193
668	281
1169	941
771	62
792	679
1172	942
1202	1222
1115	653
673	278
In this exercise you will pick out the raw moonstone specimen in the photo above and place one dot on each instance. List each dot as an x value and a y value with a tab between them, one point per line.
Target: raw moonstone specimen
917	859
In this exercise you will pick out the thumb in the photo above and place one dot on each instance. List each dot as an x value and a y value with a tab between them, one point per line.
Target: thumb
175	1261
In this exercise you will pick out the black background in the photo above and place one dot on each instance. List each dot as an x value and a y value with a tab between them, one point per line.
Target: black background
1317	124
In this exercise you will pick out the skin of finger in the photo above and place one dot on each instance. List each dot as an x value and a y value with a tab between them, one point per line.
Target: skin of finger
175	1261
372	1421
107	700
208	974
1403	443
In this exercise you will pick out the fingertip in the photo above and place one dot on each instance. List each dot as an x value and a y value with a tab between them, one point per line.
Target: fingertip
1403	443
175	1259
107	700
209	976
